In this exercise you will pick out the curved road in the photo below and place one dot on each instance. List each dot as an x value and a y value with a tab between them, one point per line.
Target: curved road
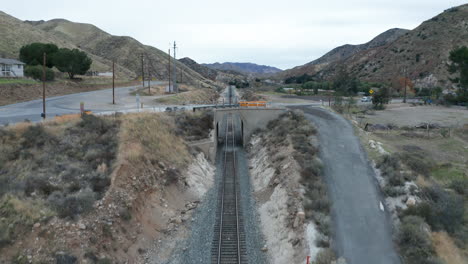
363	232
97	101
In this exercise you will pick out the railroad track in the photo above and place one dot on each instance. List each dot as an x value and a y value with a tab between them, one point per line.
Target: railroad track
229	239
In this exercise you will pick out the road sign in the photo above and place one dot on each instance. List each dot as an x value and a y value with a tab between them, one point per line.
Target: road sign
371	91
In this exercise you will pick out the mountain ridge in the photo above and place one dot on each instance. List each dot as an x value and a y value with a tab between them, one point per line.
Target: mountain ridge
101	46
423	52
243	67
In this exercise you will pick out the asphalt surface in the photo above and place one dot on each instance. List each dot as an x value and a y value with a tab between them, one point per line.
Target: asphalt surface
362	232
96	101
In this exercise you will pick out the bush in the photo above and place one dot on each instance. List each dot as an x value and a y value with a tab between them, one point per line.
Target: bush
442	210
447	209
73	204
325	256
35	72
414	241
417	162
390	167
194	126
40	185
65	259
460	186
36	136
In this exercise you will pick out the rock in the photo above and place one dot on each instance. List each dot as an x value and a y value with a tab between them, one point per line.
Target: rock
299	219
36	225
265	248
81	226
411	201
295	241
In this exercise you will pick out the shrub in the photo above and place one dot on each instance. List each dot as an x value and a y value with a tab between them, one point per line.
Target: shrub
447	209
442	210
194	126
390	167
65	259
36	136
325	256
73	204
417	162
460	186
99	182
39	184
35	72
414	241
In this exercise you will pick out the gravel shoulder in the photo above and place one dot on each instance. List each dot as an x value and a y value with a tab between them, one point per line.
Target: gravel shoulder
363	232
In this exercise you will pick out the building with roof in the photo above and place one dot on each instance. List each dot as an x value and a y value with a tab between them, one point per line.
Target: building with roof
11	68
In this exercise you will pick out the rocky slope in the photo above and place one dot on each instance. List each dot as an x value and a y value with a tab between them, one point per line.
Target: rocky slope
423	51
100	45
202	70
345	51
16	33
247	68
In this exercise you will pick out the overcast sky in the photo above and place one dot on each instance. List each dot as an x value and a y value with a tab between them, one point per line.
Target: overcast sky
280	33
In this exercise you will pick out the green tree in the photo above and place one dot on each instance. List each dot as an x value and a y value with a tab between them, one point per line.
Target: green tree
35	72
32	54
344	83
459	59
72	61
381	98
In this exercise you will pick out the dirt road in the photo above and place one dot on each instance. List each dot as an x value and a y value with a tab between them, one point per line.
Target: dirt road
362	230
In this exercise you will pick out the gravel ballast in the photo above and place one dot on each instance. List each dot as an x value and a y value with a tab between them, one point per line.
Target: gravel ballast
197	247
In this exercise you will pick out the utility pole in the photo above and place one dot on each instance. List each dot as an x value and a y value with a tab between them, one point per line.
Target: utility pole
113	82
142	71
43	86
175	69
149	77
170	88
404	98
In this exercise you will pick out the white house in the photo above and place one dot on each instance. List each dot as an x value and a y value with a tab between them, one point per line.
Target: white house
11	68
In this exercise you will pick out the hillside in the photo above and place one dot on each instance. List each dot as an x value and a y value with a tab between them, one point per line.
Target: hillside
348	50
15	33
345	51
423	51
248	68
100	45
202	70
126	50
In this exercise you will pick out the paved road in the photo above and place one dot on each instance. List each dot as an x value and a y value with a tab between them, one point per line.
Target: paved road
96	101
362	231
320	98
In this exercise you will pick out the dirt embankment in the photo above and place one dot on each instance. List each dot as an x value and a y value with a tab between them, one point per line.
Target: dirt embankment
195	96
16	93
423	174
292	200
131	203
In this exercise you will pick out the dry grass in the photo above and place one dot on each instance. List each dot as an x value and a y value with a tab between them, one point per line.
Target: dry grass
200	96
446	249
151	137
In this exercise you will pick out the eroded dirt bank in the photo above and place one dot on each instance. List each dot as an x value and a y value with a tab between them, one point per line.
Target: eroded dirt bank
291	197
128	203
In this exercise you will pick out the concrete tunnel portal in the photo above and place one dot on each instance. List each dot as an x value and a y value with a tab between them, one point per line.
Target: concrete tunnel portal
249	120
